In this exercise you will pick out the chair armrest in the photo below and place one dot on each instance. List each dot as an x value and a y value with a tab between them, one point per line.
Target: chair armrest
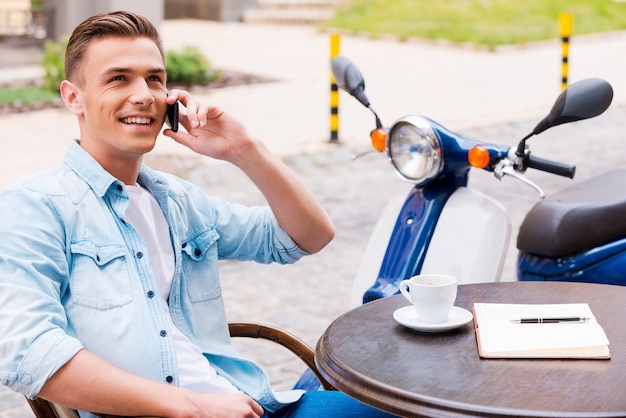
284	338
45	409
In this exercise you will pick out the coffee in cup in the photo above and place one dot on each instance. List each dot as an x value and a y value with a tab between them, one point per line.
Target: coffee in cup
432	295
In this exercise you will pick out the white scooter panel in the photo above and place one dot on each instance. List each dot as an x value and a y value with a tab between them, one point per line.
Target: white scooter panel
470	241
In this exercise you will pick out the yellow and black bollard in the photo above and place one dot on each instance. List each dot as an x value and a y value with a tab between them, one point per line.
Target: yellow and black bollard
565	30
334	91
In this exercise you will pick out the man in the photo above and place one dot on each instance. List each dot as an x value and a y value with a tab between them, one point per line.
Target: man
109	292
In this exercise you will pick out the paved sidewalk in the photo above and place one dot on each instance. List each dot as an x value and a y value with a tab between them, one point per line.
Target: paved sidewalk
493	96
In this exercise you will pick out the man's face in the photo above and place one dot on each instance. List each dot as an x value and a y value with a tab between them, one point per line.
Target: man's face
122	98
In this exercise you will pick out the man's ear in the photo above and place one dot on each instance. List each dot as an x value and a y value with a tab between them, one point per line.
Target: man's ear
71	97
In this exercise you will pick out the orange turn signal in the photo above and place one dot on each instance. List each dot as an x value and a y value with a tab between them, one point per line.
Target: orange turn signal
479	157
379	139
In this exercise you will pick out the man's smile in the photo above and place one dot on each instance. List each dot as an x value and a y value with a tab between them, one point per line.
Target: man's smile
136	120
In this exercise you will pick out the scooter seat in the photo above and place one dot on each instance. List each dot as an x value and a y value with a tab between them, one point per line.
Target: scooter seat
578	218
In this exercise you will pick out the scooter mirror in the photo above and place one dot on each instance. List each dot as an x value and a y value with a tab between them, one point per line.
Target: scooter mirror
581	100
349	78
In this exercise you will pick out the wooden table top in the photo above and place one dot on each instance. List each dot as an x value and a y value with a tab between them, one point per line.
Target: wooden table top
369	356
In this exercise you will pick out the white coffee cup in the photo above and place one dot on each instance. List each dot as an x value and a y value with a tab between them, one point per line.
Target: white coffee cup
432	295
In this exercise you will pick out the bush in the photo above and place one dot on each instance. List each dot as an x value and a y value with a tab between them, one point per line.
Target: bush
53	63
189	67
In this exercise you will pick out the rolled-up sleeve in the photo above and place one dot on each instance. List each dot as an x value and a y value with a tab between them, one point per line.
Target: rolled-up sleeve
34	342
252	233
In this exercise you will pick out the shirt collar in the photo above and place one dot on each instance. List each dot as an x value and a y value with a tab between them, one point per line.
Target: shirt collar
100	180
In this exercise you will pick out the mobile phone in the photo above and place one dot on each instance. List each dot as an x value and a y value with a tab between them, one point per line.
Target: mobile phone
171	116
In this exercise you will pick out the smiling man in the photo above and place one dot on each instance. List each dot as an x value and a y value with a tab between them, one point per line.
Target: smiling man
109	290
119	97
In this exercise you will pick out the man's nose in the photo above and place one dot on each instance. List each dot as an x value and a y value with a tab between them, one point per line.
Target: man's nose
142	94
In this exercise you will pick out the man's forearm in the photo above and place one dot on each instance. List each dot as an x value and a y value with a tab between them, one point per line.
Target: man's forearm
296	209
89	383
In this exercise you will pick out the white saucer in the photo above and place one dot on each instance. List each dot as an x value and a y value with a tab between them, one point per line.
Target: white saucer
407	316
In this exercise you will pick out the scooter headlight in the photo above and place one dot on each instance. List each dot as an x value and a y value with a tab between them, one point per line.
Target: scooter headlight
414	149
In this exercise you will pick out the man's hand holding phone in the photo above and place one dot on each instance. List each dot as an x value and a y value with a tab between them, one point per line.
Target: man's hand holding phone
171	115
209	130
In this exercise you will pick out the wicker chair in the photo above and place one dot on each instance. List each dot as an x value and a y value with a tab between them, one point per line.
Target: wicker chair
46	409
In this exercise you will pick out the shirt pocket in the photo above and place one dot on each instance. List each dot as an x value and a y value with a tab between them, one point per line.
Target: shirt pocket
99	278
200	266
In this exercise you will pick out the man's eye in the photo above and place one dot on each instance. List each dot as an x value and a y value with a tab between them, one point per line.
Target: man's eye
117	78
155	78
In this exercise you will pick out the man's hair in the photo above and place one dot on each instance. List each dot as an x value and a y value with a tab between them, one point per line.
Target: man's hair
115	24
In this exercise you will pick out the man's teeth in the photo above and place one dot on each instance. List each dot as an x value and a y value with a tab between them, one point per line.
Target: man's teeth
136	120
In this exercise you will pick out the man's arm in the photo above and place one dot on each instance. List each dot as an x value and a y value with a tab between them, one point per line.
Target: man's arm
89	383
214	133
293	205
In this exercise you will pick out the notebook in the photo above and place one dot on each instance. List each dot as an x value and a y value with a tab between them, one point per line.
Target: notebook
517	331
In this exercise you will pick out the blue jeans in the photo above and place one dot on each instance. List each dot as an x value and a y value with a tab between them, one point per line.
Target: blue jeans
315	404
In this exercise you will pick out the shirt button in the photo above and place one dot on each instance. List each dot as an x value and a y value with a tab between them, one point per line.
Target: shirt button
169	379
150	294
184	245
163	333
197	252
139	254
119	187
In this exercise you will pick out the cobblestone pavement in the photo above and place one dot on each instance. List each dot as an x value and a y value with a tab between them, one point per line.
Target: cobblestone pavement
305	297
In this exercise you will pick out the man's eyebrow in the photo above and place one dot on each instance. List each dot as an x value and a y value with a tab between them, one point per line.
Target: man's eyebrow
158	70
126	70
116	70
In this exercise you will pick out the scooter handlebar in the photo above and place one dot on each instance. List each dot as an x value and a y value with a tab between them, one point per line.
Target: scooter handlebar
553	167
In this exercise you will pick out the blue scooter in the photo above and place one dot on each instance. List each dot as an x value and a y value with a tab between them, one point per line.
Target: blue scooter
442	226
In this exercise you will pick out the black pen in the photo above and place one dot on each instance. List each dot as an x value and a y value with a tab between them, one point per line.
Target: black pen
550	320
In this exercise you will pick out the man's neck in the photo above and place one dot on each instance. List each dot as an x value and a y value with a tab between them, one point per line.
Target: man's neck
125	168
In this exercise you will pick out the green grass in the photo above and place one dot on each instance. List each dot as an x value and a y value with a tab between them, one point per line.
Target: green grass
484	22
27	95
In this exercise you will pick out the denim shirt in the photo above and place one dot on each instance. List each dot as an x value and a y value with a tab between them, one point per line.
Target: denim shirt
75	274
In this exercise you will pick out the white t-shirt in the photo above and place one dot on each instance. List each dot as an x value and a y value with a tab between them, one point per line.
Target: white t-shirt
195	373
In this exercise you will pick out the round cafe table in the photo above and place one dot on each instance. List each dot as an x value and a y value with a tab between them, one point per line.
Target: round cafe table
369	356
